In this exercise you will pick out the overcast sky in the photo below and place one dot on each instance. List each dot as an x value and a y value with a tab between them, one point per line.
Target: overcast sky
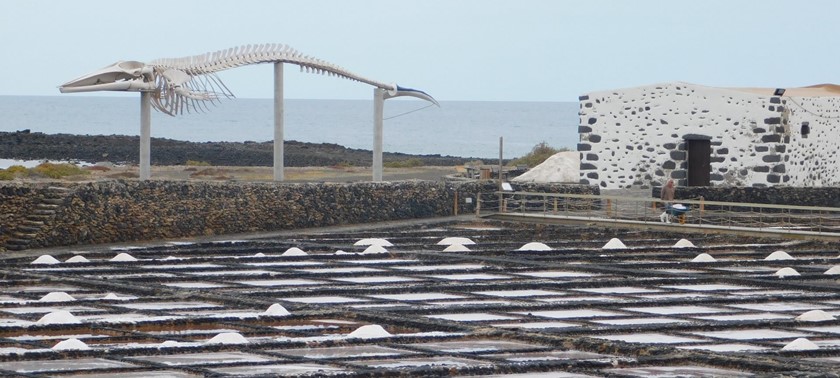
484	50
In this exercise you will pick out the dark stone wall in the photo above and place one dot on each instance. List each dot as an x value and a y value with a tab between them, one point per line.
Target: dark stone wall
123	211
821	196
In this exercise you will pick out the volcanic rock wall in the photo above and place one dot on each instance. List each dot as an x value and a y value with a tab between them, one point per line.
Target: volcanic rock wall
120	211
636	137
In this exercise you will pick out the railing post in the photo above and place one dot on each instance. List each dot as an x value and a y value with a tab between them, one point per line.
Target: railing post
455	206
609	208
478	204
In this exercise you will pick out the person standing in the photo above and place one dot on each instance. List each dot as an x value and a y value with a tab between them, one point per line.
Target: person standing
667	197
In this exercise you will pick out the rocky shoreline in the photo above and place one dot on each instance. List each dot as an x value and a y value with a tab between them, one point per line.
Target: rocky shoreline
122	149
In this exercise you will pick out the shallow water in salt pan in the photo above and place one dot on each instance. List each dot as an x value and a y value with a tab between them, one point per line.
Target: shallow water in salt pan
518	293
428	268
470	277
417	296
726	347
288	282
324	299
471	317
375	279
752	334
204	358
650	338
570	314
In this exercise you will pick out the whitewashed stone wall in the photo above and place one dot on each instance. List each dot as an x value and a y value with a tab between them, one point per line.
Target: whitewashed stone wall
636	137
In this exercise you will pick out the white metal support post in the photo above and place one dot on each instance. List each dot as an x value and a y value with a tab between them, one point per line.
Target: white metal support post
378	106
145	135
278	122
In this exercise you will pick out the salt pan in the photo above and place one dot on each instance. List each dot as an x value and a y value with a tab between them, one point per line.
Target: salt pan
779	255
71	344
614	243
456	240
801	344
784	272
46	259
58	317
683	243
77	259
834	270
534	246
294	251
373	331
456	248
123	257
57	296
374	241
704	257
228	338
815	316
276	310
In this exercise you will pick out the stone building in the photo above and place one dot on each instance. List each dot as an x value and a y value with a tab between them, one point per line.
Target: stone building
706	136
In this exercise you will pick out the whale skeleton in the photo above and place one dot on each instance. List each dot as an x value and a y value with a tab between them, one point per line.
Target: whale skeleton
183	85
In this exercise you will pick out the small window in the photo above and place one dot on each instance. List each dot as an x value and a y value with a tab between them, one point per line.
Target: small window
805	130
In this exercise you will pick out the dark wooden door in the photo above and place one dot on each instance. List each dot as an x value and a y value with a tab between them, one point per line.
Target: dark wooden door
699	162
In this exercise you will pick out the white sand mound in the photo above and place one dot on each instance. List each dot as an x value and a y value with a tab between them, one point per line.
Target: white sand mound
373	331
683	243
77	259
277	310
456	248
375	248
785	272
58	317
614	243
801	344
57	296
560	167
46	259
534	246
123	257
228	338
704	257
373	241
294	251
834	270
455	240
71	344
779	255
815	316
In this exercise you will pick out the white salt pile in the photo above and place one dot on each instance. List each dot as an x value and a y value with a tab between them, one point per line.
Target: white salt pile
801	344
259	254
684	244
456	248
277	310
374	241
228	338
340	252
71	344
123	257
815	316
534	246
114	297
786	272
46	259
373	331
560	167
834	270
168	343
167	258
375	248
614	243
294	251
704	257
58	317
779	255
77	259
455	240
57	296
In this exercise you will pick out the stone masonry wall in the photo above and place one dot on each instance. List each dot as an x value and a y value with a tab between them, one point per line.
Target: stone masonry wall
636	137
121	211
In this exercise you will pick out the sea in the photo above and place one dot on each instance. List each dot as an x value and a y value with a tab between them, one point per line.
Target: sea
470	129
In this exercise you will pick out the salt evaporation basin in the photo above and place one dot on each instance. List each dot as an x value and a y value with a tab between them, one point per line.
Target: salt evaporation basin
571	314
380	261
325	300
246	272
536	325
285	282
471	317
745	317
471	277
751	334
726	347
557	355
416	296
51	366
286	263
619	290
678	310
638	321
437	362
195	285
428	268
650	338
210	358
519	293
358	269
678	371
475	346
485	302
375	279
557	274
182	266
355	351
708	287
778	306
284	370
